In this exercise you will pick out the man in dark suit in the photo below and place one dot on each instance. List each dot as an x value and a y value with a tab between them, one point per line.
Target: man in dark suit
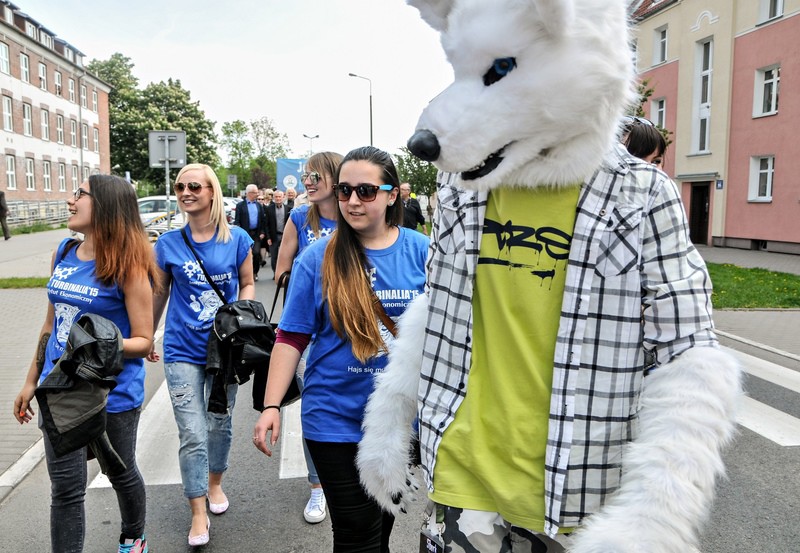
250	215
412	211
3	215
277	215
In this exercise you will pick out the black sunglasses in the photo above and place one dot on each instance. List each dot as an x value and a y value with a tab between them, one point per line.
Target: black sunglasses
192	186
313	177
630	120
81	192
365	192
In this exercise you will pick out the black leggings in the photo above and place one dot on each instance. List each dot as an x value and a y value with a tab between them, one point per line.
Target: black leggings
359	524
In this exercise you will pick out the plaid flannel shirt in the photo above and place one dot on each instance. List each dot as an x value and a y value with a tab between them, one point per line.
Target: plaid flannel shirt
637	294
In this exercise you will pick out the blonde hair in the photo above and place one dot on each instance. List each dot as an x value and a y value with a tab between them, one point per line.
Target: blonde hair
217	215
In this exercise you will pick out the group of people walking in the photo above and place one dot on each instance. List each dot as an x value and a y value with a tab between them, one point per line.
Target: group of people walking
344	248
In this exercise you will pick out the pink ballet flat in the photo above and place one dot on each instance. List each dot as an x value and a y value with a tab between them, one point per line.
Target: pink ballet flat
218	508
201	539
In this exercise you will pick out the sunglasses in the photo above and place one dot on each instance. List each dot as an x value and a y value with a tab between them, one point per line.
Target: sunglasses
365	192
630	120
192	186
313	177
81	192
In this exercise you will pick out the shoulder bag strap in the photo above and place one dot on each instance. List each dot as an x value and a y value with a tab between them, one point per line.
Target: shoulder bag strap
381	312
283	282
203	267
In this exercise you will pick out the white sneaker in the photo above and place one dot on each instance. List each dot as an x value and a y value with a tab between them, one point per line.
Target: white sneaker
316	508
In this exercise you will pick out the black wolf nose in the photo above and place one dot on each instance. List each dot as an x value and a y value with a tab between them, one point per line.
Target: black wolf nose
424	145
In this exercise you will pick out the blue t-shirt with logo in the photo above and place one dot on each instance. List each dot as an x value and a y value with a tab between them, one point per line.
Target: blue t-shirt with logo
336	384
193	303
305	234
74	290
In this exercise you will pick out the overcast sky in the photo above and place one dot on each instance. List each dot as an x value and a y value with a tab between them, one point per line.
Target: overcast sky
285	59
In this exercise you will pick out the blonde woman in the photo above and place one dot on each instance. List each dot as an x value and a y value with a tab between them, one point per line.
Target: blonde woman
205	438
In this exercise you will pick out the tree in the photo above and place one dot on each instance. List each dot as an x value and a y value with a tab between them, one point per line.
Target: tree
421	175
236	141
253	149
268	142
645	91
134	112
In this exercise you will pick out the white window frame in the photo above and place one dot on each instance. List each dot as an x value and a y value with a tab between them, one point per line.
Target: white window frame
8	114
85	136
762	178
704	69
47	183
769	10
24	68
71	87
5	60
27	119
660	44
83	96
85	172
94	101
57	80
60	129
30	174
62	177
73	133
69	54
658	112
9	14
766	91
42	76
47	40
45	116
74	178
96	134
30	30
11	172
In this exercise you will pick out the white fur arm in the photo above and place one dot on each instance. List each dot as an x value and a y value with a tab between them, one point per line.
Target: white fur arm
383	453
669	471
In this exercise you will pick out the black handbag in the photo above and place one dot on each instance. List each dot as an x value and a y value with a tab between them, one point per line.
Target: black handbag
250	357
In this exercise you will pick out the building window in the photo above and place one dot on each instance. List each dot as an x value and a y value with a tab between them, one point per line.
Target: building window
73	133
71	88
30	182
11	172
8	114
701	129
27	120
83	96
660	45
765	96
45	125
42	76
658	112
770	9
47	40
74	178
60	129
47	185
762	173
5	61
85	172
70	55
9	14
85	136
57	80
94	101
24	68
30	29
96	140
62	177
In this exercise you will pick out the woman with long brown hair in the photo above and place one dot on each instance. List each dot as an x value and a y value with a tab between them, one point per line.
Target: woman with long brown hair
335	284
109	273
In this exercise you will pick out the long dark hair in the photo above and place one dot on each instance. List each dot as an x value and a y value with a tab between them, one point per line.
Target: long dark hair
121	247
345	283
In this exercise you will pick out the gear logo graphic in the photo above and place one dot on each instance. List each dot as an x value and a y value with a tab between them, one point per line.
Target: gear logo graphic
63	273
191	268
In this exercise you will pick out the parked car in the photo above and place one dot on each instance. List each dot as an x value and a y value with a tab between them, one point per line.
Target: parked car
230	208
155	216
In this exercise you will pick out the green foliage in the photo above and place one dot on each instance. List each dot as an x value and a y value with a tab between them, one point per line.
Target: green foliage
738	288
253	149
133	112
645	91
23	282
421	175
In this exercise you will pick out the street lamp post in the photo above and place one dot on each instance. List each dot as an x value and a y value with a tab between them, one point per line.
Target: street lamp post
370	102
311	142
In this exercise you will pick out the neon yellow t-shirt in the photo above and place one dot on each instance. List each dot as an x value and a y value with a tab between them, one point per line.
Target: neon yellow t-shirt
491	457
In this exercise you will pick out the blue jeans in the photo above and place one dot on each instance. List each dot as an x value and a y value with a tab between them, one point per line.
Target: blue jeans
205	438
68	480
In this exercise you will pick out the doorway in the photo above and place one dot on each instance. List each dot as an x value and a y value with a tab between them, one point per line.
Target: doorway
698	212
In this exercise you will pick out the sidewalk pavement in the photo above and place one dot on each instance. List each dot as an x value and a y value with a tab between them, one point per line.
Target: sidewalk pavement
768	334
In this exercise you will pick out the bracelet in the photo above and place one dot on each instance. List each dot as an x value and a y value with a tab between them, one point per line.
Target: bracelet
278	407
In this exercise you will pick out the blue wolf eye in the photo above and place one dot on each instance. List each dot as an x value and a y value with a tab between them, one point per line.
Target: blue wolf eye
499	69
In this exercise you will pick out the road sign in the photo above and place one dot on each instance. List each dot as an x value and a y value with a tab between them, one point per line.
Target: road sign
167	149
232	182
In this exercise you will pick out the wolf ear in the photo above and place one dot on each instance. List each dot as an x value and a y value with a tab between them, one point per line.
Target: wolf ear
556	15
433	12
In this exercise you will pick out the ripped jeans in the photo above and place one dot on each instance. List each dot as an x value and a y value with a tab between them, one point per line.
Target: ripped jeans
205	438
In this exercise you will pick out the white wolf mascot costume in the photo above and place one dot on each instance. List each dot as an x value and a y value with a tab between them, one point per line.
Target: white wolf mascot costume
634	401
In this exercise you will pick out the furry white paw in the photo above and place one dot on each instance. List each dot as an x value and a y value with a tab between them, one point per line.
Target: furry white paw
384	451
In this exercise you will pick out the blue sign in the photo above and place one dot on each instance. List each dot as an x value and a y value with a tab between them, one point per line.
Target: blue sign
289	174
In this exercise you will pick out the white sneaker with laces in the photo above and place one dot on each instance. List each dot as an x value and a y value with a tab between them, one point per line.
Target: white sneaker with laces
316	508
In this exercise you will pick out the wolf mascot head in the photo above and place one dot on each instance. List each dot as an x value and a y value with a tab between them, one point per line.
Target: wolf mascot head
542	83
540	86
